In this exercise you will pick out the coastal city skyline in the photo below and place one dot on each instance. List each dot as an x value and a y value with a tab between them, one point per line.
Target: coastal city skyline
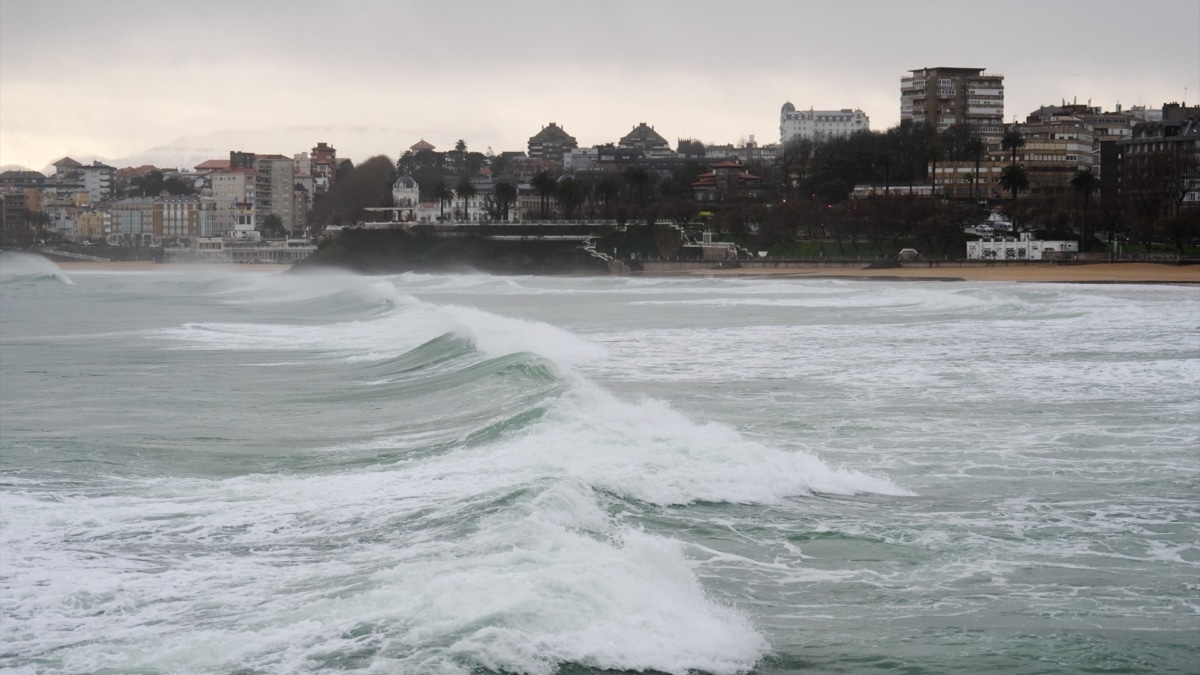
273	82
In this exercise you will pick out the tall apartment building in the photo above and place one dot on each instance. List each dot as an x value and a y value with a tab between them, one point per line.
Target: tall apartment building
234	185
817	125
98	181
276	188
944	97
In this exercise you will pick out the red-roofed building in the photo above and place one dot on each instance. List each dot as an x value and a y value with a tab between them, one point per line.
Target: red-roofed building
727	181
421	145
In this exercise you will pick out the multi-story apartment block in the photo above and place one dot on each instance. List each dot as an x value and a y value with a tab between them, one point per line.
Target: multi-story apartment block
818	125
183	216
231	186
91	225
552	143
1157	170
98	181
275	188
132	219
645	138
944	97
1055	148
323	167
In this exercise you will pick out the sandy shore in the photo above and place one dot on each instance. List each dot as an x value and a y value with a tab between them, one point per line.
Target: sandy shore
148	266
1128	273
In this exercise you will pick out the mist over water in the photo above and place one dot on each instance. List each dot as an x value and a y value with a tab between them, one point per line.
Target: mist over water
217	471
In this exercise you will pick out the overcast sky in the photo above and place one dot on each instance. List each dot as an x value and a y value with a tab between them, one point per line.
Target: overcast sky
118	78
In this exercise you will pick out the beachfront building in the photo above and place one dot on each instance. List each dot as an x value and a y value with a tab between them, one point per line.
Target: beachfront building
819	125
231	186
943	97
183	216
1025	248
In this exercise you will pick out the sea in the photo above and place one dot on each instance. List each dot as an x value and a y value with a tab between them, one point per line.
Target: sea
232	471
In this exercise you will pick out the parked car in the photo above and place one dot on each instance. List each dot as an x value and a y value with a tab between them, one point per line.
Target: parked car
908	254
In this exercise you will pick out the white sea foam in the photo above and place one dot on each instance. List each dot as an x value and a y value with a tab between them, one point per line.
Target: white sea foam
548	580
15	265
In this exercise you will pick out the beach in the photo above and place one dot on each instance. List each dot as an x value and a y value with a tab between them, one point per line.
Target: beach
1126	273
1122	273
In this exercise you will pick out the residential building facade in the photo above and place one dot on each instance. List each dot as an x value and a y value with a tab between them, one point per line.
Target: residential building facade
645	138
184	216
943	97
552	143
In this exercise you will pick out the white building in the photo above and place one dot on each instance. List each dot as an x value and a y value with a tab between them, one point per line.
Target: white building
818	125
98	180
581	159
1023	249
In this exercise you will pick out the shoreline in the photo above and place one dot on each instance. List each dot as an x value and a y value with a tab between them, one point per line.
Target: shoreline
1096	273
1092	273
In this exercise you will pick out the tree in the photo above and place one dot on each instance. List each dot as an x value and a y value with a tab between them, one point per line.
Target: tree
1084	182
638	179
466	190
1014	179
506	196
975	147
607	191
369	184
460	154
444	195
272	226
570	194
544	185
935	154
1012	141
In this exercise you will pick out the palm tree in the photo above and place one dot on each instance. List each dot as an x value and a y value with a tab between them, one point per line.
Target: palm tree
1084	182
1014	179
638	179
935	154
570	194
607	191
444	195
544	185
975	148
506	195
460	151
466	190
1012	141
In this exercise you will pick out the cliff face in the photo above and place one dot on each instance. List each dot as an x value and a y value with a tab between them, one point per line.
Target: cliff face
397	251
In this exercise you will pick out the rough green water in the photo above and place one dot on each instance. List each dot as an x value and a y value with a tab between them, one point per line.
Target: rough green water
221	471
